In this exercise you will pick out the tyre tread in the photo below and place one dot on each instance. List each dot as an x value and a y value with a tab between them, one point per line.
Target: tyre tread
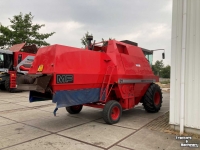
148	101
107	109
71	111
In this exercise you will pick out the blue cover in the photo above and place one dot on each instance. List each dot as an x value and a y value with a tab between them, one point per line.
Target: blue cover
67	98
76	97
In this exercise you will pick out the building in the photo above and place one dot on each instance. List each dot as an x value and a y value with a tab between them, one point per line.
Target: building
185	66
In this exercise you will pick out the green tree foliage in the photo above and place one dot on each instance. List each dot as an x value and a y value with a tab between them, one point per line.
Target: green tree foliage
84	38
160	70
154	70
22	30
165	72
157	67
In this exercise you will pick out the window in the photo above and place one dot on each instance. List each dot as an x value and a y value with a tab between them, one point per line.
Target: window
19	58
5	60
1	57
1	61
149	58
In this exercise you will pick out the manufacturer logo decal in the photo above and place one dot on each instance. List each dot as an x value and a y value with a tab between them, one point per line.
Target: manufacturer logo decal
64	78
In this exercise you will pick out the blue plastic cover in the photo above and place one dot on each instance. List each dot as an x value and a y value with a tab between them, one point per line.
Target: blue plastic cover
76	97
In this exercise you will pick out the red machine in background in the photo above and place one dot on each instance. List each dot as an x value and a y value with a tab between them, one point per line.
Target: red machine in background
114	76
15	64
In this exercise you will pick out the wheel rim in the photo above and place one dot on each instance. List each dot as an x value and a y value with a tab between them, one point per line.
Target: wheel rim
115	113
157	98
78	107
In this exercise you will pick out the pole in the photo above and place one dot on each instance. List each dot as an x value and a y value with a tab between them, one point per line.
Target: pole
182	94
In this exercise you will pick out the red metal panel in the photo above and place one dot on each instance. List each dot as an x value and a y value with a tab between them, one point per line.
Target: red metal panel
24	55
24	68
95	105
13	77
17	47
131	103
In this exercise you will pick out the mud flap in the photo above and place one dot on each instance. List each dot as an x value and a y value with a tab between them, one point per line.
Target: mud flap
38	91
42	82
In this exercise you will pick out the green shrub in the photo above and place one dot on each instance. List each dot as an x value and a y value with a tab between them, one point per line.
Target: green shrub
165	82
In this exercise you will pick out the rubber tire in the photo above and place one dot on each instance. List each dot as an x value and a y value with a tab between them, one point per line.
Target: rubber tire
107	111
71	109
2	87
7	86
148	99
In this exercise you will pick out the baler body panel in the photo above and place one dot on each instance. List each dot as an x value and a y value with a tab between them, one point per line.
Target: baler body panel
87	67
78	74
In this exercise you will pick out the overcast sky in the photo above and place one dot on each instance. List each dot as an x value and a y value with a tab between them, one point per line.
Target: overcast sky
147	22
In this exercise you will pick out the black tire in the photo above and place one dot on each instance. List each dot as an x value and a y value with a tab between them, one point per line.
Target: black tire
74	109
152	100
2	87
112	112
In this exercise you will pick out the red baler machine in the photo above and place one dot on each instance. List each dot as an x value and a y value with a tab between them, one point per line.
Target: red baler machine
114	76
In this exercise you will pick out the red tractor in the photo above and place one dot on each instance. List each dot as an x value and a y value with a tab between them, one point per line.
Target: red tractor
114	76
15	64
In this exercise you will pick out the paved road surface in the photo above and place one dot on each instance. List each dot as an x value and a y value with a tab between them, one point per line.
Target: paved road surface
32	126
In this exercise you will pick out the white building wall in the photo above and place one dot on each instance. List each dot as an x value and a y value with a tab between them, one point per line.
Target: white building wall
192	64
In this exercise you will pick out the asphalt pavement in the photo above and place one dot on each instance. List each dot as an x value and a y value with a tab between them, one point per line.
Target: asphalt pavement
33	126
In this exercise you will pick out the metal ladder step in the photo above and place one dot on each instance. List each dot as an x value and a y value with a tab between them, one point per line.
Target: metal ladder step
106	83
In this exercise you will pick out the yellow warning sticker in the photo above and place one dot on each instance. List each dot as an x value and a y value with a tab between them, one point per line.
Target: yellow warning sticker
40	68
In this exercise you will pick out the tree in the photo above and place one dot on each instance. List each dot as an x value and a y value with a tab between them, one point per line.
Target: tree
165	72
84	39
157	67
154	69
22	30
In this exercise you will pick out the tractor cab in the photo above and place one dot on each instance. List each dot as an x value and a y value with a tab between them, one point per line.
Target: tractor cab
15	62
19	57
6	58
103	46
149	55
